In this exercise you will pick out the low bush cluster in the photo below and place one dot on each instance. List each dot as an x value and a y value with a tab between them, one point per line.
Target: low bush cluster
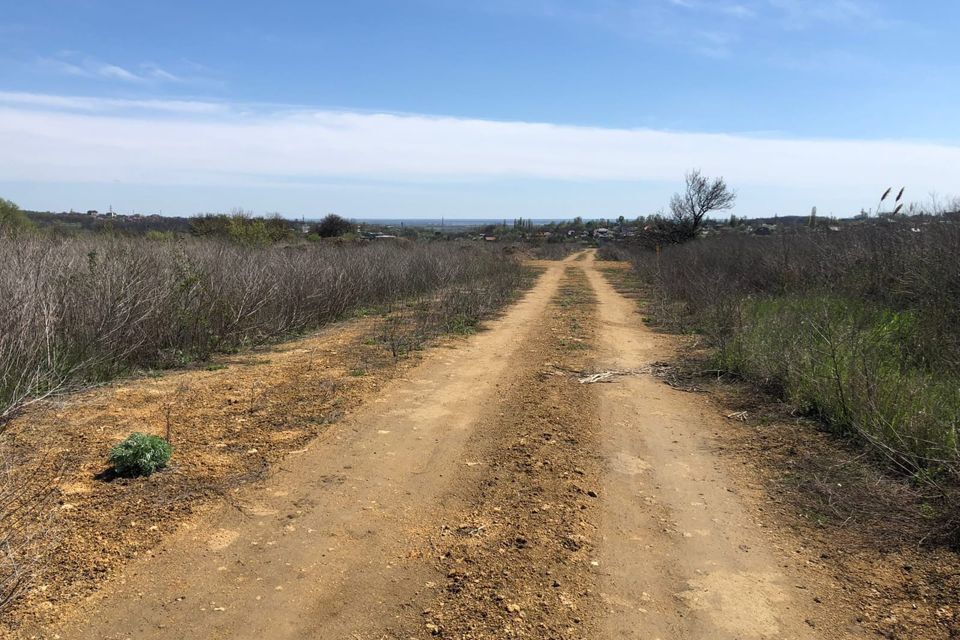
81	310
860	326
140	454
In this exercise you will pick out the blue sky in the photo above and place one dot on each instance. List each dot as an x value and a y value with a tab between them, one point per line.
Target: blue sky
494	108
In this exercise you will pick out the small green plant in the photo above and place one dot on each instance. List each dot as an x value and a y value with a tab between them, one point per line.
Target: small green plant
140	455
462	324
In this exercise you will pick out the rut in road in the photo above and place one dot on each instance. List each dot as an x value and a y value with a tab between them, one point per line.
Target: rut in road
488	494
682	551
336	543
517	554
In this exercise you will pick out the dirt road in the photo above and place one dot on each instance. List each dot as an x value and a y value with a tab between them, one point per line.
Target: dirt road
490	494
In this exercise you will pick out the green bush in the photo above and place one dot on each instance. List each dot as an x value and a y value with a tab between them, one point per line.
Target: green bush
140	455
12	218
856	366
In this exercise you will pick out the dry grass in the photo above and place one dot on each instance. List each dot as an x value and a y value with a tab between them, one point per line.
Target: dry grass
78	312
858	329
74	312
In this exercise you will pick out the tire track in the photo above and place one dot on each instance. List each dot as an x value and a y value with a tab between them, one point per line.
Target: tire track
517	560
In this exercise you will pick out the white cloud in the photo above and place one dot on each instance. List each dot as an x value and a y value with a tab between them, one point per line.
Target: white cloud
61	139
71	63
161	74
112	71
77	103
64	67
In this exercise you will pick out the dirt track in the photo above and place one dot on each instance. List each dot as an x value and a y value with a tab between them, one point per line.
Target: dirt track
489	494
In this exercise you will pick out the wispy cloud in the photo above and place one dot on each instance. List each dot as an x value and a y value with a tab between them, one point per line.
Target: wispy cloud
64	139
718	8
155	72
109	105
801	14
112	71
73	64
710	27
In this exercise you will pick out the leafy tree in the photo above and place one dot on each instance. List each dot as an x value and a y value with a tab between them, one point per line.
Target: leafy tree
12	218
333	226
241	227
701	196
210	224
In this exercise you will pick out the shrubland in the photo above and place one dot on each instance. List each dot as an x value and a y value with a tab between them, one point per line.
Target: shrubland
859	327
75	311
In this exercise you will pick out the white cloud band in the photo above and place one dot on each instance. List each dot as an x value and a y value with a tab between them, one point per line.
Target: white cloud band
63	139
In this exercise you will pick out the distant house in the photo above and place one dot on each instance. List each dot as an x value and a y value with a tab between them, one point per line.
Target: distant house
92	212
489	238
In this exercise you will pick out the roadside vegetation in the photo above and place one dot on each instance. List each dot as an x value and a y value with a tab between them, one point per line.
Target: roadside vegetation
857	327
81	311
76	311
12	219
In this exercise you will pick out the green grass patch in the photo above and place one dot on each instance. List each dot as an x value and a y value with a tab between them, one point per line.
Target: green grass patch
855	366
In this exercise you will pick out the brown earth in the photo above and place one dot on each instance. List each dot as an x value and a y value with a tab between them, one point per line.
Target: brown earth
482	491
228	424
857	528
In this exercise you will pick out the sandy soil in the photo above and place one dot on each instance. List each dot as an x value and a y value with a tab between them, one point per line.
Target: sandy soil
486	493
692	560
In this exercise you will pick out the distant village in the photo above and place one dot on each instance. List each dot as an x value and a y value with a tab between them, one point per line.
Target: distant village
641	230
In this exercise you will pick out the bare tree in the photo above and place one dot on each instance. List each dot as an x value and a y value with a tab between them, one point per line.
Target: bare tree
700	198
